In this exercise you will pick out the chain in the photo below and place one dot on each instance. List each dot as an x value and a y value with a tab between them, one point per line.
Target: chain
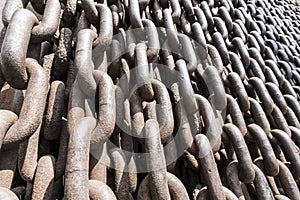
149	99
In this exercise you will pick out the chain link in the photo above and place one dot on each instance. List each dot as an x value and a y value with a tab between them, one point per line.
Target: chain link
150	99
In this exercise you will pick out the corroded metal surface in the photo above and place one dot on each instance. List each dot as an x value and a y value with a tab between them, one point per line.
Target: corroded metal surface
149	99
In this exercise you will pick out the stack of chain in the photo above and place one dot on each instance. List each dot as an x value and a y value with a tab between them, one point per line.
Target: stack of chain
150	99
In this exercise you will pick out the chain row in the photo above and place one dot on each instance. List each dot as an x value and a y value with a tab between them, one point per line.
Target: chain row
150	99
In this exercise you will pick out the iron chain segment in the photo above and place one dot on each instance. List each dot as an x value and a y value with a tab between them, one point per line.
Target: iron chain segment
150	99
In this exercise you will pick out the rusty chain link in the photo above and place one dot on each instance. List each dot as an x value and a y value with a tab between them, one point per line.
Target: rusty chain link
150	99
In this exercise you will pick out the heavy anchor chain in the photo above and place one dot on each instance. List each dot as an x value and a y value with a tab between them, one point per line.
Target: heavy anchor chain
150	99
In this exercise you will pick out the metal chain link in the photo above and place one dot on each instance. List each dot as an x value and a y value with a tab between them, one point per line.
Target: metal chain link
150	99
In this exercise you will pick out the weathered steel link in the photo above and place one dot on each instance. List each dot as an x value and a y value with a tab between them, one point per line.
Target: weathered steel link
158	184
10	8
143	76
55	111
259	115
188	52
149	99
233	181
236	114
208	168
7	119
14	48
289	149
153	40
217	92
261	185
186	90
213	130
33	106
91	11
121	184
99	190
76	173
277	96
49	24
170	29
246	171
176	188
269	159
215	57
44	178
107	105
237	65
164	114
238	90
83	62
105	27
134	13
28	157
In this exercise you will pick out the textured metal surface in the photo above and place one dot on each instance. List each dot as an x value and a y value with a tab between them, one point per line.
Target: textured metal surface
150	99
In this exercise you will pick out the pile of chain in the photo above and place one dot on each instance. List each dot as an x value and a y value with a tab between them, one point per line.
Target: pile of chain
150	99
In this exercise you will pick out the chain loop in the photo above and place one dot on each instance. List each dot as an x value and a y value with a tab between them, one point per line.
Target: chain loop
149	99
15	44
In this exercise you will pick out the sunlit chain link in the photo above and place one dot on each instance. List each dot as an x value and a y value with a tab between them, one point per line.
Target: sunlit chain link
150	99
